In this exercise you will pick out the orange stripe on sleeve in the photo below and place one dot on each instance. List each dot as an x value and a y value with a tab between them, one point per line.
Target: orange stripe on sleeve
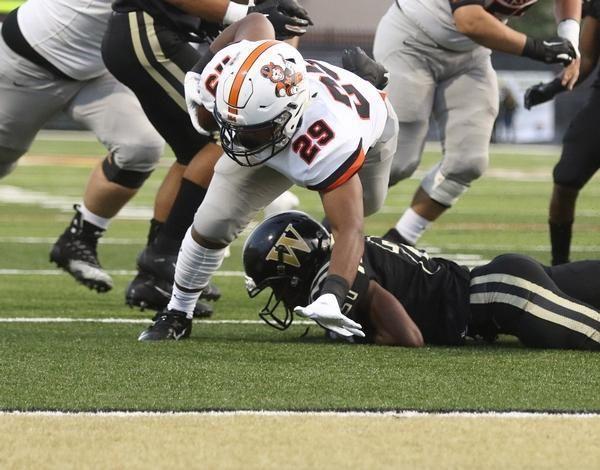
349	173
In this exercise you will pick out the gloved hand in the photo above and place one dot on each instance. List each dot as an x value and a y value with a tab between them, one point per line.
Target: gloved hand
542	92
193	99
550	51
356	60
326	312
288	17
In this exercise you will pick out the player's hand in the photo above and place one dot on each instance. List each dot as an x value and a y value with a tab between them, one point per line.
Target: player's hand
326	312
570	74
193	99
288	17
542	92
551	51
358	62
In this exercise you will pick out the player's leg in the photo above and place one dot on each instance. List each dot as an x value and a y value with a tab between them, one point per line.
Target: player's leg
113	113
29	96
515	295
152	61
411	91
216	225
465	126
579	160
578	279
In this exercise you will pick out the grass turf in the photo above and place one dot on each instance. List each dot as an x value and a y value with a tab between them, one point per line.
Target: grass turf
83	366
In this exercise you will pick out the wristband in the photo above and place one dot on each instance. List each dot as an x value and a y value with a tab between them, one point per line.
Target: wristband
569	29
203	62
235	12
336	285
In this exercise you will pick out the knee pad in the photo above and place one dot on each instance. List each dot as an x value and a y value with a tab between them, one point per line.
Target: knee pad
442	189
128	178
8	160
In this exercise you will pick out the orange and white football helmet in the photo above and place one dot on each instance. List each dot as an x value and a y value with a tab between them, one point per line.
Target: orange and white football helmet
261	96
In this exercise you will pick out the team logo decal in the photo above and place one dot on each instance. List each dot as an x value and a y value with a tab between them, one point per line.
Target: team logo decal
285	248
285	79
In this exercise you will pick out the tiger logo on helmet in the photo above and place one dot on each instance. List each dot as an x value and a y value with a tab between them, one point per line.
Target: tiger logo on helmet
285	79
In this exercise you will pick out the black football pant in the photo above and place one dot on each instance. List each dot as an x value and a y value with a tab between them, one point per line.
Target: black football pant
152	60
545	307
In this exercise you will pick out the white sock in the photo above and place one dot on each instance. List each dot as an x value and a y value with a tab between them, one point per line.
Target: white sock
92	218
411	225
195	266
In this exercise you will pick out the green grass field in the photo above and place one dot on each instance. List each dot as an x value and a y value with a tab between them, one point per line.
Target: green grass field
91	365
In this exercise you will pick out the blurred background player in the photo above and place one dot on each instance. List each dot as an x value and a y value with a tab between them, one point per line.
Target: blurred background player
50	62
402	297
438	56
282	120
580	157
147	47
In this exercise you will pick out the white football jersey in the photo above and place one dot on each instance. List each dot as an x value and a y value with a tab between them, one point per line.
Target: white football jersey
67	33
435	18
345	116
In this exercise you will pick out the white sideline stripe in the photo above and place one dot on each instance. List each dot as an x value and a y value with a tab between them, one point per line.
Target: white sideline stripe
112	272
431	249
131	321
316	414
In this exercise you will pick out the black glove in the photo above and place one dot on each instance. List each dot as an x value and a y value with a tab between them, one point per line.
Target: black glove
551	51
358	62
542	92
287	16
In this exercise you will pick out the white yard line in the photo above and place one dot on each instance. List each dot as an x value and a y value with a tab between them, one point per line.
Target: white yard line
316	414
113	321
112	272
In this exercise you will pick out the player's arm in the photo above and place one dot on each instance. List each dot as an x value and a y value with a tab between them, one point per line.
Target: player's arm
568	16
343	208
210	10
474	21
393	325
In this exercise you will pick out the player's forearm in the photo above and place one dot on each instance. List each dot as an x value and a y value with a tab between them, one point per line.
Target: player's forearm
254	27
589	46
485	29
567	9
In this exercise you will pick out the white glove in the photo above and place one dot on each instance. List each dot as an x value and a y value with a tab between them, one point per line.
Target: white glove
193	99
326	312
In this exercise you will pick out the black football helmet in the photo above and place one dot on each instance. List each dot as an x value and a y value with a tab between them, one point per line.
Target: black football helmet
284	253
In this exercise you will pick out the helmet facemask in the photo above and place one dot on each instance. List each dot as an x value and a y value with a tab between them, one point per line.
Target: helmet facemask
254	144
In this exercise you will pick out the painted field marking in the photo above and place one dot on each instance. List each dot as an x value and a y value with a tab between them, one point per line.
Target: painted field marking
319	414
130	321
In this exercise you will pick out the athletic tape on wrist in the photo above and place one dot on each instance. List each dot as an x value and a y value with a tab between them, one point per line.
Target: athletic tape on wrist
569	29
235	12
336	285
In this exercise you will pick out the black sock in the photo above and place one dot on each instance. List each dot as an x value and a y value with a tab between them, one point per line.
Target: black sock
560	239
155	227
189	197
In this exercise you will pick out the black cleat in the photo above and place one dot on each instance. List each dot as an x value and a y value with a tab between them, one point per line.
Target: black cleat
158	265
392	235
75	251
147	292
168	324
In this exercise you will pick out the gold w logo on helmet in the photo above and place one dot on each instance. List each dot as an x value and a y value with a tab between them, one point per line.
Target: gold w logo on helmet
285	248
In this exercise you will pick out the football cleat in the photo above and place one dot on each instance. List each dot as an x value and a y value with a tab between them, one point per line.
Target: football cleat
147	292
75	251
392	235
168	324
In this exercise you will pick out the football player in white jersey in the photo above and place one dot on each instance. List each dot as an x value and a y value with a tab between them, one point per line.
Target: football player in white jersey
282	120
50	61
438	56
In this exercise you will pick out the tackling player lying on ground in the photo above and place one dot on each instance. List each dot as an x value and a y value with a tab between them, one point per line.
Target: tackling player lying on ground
580	157
402	297
282	120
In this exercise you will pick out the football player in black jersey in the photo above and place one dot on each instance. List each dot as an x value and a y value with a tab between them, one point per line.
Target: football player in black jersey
147	47
580	157
403	297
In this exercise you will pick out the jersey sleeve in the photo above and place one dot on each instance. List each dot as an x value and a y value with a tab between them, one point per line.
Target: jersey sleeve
455	4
